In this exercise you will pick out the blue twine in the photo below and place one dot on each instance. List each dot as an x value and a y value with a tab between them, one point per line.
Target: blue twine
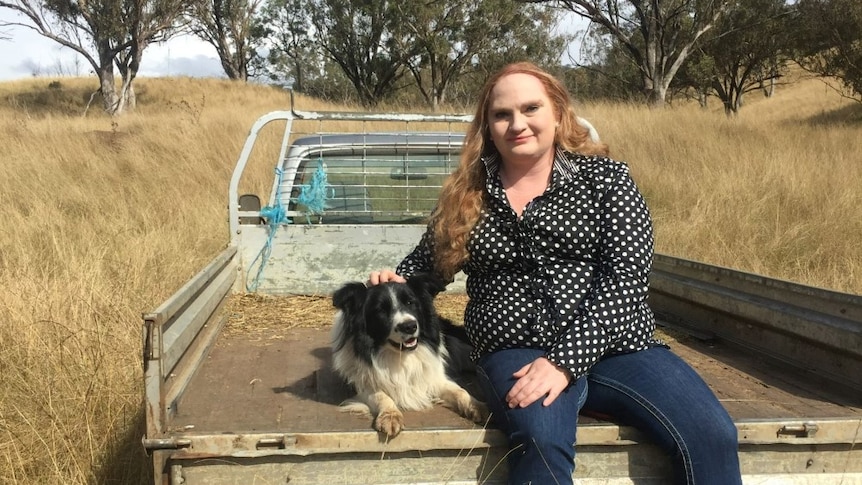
275	216
313	196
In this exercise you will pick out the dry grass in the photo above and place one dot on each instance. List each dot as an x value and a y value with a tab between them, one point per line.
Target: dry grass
774	192
102	221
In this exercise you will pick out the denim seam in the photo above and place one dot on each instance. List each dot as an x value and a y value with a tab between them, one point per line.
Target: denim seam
484	375
686	457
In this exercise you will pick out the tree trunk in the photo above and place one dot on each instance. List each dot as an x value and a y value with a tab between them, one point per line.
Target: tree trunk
127	96
656	96
298	78
655	85
110	99
770	90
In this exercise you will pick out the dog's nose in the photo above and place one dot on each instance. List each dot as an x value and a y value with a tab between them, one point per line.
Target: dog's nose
408	327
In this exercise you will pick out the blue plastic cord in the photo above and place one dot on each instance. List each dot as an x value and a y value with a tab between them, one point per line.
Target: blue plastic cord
313	196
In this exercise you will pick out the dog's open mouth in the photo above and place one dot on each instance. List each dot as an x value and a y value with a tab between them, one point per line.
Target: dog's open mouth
407	344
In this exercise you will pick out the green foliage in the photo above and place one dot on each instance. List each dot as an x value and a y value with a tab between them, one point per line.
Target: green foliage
523	32
829	40
283	27
376	50
656	36
364	38
108	35
229	27
609	72
749	46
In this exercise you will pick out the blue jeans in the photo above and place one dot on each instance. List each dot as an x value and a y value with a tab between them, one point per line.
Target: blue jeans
653	390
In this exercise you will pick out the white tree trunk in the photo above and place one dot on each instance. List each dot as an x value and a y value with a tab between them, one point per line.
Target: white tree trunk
110	99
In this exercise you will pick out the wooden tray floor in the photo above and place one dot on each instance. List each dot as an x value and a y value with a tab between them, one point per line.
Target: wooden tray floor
274	381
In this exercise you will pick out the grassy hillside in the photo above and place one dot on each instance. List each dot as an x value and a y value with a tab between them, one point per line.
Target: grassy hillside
103	219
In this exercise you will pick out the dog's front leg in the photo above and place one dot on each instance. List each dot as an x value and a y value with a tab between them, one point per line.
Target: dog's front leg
388	418
458	399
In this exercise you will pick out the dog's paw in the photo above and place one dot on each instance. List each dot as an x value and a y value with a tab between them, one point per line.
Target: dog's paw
355	407
389	422
477	412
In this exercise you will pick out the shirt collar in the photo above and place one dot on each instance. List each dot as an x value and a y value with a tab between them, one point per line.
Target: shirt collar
565	165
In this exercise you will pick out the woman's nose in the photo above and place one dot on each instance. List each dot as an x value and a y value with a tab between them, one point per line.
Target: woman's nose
518	123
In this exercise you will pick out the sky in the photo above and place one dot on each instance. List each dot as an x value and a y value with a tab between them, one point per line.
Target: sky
27	54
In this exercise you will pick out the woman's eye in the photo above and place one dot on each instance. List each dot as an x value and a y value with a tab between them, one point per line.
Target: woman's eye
532	108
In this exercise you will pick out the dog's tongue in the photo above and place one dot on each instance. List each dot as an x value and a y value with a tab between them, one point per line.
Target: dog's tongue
410	343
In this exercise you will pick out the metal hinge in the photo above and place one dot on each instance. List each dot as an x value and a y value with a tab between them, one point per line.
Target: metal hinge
149	332
805	430
278	443
151	444
148	342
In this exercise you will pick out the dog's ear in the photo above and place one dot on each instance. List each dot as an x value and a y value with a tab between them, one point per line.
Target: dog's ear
427	282
349	298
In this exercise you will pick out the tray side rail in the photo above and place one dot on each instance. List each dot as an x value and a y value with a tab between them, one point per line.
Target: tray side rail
177	337
817	330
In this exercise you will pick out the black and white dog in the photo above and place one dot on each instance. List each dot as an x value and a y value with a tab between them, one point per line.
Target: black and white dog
389	343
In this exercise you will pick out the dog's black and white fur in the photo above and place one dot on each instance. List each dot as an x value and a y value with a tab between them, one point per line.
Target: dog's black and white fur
389	343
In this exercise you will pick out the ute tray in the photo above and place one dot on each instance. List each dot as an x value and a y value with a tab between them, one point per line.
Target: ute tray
276	377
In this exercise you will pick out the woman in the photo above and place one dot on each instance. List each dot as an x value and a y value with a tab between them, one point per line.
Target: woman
556	242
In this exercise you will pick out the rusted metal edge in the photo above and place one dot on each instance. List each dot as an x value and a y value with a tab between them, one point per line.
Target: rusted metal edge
217	279
175	385
778	311
765	432
847	307
182	296
818	331
187	324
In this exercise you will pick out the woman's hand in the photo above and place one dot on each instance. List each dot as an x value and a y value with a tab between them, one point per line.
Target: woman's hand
383	276
539	378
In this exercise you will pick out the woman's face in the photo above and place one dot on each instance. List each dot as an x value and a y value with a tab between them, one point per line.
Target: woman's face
521	119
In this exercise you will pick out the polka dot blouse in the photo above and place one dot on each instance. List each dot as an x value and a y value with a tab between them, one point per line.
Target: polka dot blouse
569	276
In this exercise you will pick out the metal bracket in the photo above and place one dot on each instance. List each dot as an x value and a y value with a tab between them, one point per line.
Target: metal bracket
151	444
278	443
805	430
147	332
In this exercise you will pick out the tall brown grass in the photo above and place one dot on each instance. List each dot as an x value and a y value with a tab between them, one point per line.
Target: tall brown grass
102	219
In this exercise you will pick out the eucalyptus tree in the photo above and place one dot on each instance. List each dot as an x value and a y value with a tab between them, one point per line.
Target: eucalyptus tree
829	41
107	34
748	48
228	25
522	33
452	39
607	74
365	38
657	35
284	31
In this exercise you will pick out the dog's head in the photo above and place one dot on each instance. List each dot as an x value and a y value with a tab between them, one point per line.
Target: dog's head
401	315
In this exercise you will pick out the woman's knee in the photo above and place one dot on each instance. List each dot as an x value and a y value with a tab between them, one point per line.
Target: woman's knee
549	427
547	434
541	458
719	432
